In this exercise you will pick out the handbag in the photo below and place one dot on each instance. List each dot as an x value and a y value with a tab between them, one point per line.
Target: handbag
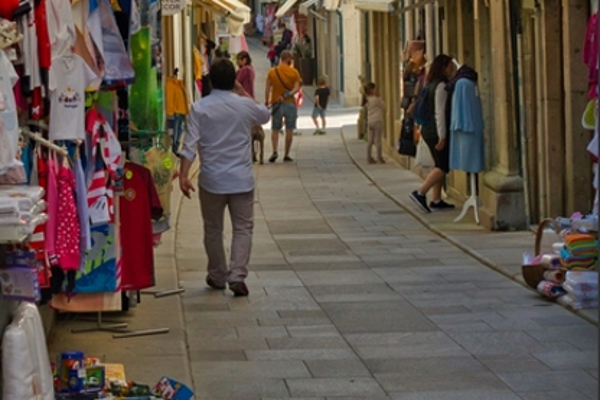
406	144
423	157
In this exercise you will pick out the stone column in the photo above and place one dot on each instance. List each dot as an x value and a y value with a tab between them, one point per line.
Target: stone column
578	176
502	192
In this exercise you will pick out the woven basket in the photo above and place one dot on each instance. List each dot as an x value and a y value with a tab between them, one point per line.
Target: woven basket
534	273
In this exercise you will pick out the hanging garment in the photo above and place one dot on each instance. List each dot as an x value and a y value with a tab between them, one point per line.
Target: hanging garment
69	77
176	99
82	206
29	45
138	205
43	34
590	54
104	144
61	27
49	169
162	166
466	126
119	70
68	233
8	79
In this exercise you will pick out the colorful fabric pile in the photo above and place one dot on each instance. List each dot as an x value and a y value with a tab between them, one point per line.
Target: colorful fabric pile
580	252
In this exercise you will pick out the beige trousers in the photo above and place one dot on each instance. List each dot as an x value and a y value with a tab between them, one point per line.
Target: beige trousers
241	212
375	134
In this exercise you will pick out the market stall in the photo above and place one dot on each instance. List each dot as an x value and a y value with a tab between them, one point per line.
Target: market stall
85	176
568	271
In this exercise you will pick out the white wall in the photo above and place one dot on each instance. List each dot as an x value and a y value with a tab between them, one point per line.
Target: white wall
352	26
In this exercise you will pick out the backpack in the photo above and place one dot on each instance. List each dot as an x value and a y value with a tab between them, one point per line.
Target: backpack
423	114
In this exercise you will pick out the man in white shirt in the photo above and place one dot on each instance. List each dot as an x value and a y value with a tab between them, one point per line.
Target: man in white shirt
218	129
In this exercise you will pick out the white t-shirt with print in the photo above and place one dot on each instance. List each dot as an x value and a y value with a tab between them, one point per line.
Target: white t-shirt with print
69	77
8	79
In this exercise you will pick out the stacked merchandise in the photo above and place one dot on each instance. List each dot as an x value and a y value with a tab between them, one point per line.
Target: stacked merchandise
77	377
20	276
580	251
21	211
582	289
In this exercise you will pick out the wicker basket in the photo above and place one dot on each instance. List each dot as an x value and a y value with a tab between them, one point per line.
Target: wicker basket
534	273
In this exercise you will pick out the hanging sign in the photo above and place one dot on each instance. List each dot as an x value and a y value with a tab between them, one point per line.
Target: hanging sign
171	7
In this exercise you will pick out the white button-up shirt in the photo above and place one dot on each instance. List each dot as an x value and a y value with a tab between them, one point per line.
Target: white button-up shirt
218	129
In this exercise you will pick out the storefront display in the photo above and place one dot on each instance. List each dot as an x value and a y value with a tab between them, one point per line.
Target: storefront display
69	76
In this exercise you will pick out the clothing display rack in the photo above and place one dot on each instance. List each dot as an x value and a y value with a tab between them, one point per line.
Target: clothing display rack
472	201
44	142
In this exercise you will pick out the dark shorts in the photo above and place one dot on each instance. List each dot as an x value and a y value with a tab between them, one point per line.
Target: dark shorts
282	111
441	158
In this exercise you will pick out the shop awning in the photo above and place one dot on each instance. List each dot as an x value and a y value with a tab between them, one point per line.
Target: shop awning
331	5
285	8
237	13
306	5
376	5
404	7
232	9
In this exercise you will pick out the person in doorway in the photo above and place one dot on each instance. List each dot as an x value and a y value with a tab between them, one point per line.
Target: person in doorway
245	74
435	133
260	24
375	114
283	82
219	130
321	100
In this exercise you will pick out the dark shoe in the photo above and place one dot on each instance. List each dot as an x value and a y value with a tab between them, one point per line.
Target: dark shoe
441	205
273	158
239	289
288	159
213	285
420	200
371	161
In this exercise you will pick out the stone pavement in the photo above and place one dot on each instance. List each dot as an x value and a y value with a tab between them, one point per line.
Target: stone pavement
501	251
352	298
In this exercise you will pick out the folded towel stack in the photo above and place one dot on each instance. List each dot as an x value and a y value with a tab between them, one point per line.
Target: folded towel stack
580	251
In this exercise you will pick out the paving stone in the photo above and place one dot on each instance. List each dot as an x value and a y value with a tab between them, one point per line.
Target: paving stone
458	395
375	317
250	332
513	363
569	360
354	293
307	343
448	381
301	354
334	387
524	382
332	278
424	365
337	368
555	395
239	389
217	355
250	370
313	331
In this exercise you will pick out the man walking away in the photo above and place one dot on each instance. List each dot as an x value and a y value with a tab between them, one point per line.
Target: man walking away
283	82
219	130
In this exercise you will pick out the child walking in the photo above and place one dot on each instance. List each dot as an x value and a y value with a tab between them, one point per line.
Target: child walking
272	56
375	111
321	99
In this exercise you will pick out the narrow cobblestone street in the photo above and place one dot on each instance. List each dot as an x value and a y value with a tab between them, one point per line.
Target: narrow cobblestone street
351	298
